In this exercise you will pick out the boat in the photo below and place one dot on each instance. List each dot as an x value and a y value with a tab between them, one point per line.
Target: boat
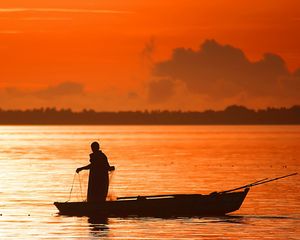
177	205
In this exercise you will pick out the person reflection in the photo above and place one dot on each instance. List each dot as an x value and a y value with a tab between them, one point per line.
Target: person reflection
98	226
98	176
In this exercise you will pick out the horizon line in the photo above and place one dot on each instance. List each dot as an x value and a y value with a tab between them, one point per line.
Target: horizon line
149	110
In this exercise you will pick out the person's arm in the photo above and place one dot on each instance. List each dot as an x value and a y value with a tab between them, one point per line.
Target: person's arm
111	168
83	168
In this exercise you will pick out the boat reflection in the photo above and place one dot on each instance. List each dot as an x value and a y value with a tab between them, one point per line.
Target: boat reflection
98	226
229	219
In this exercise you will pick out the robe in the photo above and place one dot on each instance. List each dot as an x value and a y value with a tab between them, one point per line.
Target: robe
98	177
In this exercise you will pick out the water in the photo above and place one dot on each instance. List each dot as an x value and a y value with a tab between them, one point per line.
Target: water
37	165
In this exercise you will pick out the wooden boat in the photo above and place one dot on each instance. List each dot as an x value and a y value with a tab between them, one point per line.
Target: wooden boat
178	205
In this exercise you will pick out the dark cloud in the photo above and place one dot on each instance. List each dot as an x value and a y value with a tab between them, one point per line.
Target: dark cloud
223	71
160	90
297	73
71	95
62	89
132	95
58	95
13	91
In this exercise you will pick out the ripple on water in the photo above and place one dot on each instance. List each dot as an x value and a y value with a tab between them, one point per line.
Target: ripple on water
38	163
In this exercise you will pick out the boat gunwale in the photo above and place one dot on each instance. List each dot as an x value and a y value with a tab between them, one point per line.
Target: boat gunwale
222	201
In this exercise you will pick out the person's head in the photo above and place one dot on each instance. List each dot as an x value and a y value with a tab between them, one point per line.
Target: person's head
95	146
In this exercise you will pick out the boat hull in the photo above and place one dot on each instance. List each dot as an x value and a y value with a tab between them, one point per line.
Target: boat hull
180	205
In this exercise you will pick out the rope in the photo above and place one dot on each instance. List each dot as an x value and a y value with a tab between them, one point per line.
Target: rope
81	195
111	194
71	188
111	176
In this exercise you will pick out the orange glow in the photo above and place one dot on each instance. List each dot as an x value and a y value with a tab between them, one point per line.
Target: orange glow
100	44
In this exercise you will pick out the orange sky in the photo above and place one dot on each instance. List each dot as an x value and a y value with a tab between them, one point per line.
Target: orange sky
108	48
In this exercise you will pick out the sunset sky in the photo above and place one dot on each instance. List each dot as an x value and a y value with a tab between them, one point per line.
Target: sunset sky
130	55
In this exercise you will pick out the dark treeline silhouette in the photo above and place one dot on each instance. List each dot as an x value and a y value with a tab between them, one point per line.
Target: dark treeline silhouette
231	115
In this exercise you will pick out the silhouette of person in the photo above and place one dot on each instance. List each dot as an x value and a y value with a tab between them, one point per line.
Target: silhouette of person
98	177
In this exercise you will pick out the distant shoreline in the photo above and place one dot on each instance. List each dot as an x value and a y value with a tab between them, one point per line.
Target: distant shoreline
232	115
146	124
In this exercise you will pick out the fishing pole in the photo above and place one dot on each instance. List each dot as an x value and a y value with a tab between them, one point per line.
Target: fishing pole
245	186
175	195
263	181
274	179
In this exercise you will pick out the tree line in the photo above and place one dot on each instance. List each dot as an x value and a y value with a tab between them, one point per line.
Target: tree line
231	115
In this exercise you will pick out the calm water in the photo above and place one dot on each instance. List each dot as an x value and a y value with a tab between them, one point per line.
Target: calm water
37	165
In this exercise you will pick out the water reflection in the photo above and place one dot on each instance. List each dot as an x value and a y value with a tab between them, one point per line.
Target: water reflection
270	217
150	160
98	226
232	219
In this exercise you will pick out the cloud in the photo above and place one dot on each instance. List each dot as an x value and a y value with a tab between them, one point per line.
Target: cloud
63	10
132	95
148	50
71	95
160	90
297	73
223	72
57	95
62	89
46	19
10	32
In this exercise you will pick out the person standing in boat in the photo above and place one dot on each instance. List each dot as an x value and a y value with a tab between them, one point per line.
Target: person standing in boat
98	177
